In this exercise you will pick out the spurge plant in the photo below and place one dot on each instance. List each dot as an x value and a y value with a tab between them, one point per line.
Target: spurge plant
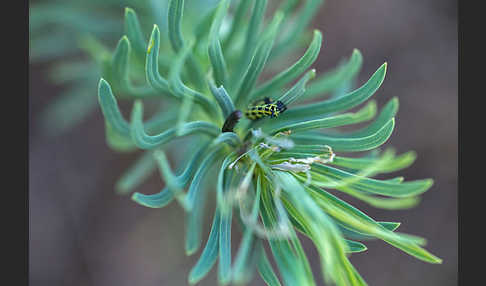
256	139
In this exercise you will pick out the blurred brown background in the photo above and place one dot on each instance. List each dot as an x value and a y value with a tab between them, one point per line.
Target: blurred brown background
82	233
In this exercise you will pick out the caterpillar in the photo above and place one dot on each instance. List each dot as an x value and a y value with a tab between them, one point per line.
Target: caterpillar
265	107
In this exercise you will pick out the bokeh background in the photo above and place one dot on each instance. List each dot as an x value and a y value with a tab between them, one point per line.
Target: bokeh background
82	233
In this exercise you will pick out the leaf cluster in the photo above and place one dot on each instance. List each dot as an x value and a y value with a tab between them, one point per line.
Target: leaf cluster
274	175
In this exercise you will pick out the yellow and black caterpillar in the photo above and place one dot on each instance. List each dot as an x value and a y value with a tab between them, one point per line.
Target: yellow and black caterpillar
264	108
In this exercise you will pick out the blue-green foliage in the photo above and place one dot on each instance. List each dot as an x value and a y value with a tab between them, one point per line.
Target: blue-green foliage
273	175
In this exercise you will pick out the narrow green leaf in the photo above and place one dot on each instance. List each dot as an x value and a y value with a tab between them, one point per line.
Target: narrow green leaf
224	266
344	88
220	189
251	40
288	97
323	231
294	71
405	243
229	138
214	48
333	79
161	120
120	71
346	144
379	187
134	31
195	190
303	18
383	203
364	114
298	89
145	141
172	181
223	99
158	200
185	111
413	238
396	163
258	61
288	6
412	248
202	28
136	174
175	12
388	112
293	267
194	161
349	233
117	141
355	246
248	269
391	226
237	24
297	219
177	87
309	149
299	222
364	231
247	243
193	225
210	253
342	103
151	63
110	110
265	269
328	201
165	196
194	203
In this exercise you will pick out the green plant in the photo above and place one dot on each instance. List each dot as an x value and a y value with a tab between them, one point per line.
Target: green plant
273	175
64	36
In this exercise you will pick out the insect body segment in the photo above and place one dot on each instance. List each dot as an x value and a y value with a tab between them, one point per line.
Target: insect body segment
268	108
260	111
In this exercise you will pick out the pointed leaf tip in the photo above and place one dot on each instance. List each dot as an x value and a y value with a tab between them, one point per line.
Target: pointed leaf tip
312	74
356	53
137	108
104	89
125	39
102	81
134	196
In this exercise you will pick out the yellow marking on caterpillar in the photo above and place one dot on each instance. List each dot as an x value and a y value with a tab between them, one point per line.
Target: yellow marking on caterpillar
260	111
263	110
152	43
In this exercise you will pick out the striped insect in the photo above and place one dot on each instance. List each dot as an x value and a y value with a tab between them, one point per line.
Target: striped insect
264	108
